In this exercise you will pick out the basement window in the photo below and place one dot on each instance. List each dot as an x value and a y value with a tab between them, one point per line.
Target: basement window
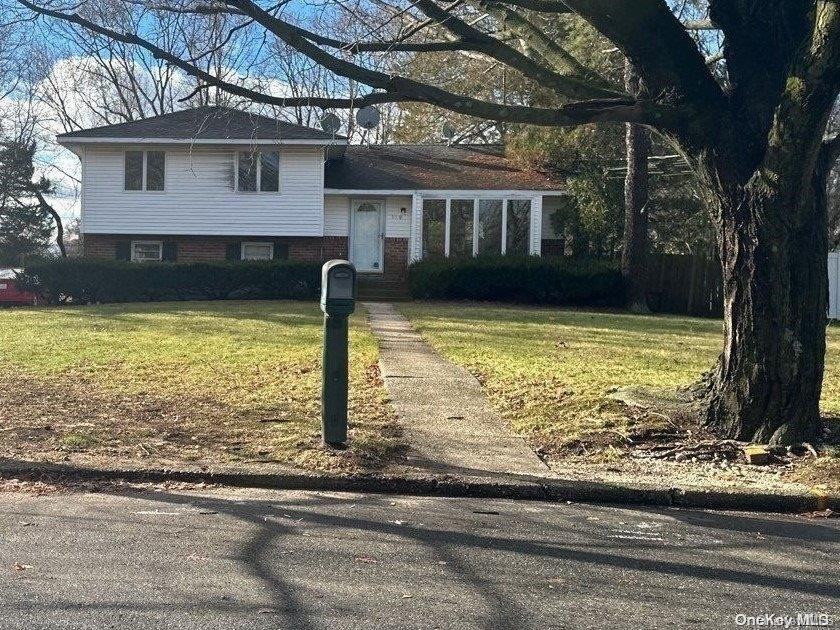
257	251
146	251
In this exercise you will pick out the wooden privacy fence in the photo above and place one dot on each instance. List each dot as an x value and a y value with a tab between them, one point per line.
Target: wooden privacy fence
689	285
693	285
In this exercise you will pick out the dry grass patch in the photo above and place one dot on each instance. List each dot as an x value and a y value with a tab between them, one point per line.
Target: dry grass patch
202	383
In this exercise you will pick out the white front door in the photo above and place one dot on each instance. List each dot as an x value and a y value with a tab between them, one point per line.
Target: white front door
367	235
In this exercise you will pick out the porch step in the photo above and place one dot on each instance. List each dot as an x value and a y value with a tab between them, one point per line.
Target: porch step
379	288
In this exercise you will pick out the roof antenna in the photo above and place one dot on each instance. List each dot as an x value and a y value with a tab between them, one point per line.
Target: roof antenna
330	123
368	117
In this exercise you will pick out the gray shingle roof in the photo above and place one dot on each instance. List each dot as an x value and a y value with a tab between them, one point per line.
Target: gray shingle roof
204	123
432	167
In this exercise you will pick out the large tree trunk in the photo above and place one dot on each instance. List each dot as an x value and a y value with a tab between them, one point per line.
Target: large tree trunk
636	184
635	243
766	385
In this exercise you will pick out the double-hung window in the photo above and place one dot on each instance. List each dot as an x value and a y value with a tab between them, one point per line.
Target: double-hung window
258	171
145	170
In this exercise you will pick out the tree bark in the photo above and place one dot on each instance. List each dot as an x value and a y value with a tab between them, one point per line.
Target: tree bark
636	186
59	225
766	385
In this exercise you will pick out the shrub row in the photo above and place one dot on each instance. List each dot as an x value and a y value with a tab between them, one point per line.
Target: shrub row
530	280
88	281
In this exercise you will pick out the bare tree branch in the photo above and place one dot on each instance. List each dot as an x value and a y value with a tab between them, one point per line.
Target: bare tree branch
59	225
564	85
831	148
659	47
394	87
540	42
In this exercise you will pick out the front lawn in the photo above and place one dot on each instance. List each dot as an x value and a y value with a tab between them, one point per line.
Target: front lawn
205	383
548	371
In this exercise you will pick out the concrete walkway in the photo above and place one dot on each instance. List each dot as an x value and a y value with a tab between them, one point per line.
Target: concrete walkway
448	421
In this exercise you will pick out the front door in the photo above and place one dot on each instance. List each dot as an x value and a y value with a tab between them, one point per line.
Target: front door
367	236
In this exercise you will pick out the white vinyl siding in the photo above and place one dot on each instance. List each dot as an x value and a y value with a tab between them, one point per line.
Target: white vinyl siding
200	196
397	222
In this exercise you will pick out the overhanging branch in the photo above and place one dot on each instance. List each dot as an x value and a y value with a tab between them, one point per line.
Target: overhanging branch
571	87
392	88
831	147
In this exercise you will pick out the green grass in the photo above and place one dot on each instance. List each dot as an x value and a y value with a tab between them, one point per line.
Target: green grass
548	370
204	381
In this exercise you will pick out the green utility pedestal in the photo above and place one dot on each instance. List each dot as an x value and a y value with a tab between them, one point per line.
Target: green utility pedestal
338	301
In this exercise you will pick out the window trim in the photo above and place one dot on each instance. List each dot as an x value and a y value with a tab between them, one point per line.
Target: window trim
505	198
159	245
268	244
144	172
259	173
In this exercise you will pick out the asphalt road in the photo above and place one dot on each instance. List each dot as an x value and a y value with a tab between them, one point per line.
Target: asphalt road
298	560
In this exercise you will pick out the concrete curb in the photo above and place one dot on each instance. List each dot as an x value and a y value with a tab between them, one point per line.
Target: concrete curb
556	490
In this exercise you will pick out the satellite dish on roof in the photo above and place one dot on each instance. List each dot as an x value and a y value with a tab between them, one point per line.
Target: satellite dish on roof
330	123
367	117
448	131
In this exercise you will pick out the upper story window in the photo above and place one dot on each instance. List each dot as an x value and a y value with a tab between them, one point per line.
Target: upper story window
145	170
258	171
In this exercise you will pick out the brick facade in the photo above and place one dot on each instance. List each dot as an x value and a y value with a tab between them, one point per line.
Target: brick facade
214	248
392	282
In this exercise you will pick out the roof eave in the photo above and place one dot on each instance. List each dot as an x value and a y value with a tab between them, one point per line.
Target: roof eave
67	141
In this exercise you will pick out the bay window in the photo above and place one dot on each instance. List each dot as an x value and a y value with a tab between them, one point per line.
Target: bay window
477	226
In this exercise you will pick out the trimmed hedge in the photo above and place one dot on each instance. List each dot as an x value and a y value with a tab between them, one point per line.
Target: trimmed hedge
89	281
529	280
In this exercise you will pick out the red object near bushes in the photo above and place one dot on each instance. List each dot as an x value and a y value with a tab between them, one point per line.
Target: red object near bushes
10	294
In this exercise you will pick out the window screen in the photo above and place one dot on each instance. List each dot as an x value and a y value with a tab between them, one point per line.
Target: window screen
248	171
461	228
518	227
134	170
146	251
155	170
434	227
257	251
490	227
270	171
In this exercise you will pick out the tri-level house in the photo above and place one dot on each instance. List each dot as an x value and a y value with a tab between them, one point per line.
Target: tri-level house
214	183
